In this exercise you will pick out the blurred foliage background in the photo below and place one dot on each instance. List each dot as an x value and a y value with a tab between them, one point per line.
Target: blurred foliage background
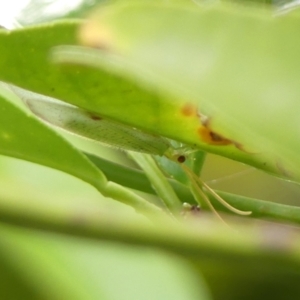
37	265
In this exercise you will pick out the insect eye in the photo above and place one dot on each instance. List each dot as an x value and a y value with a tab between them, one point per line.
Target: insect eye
181	159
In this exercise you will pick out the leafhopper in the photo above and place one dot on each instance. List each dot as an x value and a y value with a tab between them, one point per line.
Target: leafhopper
115	134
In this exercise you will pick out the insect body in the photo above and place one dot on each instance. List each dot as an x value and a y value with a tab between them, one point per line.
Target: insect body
115	134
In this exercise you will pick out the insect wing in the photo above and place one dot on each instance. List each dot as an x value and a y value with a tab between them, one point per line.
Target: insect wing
91	125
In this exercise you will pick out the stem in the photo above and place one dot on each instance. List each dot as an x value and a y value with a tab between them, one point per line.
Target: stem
124	195
158	181
198	161
196	240
259	208
135	179
123	175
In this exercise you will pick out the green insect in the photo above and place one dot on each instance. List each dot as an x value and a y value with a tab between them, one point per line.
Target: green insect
140	145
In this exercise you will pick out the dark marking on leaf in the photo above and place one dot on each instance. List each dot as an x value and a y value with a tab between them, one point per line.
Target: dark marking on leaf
216	137
212	138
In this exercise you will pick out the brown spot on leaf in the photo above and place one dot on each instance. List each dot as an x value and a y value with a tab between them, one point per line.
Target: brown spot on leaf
212	138
216	137
189	110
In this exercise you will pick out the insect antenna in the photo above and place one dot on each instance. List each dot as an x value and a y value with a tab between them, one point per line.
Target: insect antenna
223	202
213	193
198	185
199	191
231	176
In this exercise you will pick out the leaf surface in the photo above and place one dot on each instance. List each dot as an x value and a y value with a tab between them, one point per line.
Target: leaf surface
248	90
23	136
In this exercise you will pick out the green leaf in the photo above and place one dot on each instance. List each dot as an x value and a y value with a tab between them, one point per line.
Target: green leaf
23	136
249	90
143	52
60	267
39	263
78	85
97	91
260	256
